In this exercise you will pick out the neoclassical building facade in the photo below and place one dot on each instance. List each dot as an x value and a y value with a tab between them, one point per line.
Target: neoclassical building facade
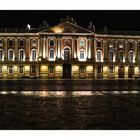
68	51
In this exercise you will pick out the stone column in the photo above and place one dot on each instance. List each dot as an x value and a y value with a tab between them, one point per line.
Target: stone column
116	51
89	48
16	52
105	49
47	46
136	51
75	48
58	47
44	47
27	48
5	49
93	49
126	51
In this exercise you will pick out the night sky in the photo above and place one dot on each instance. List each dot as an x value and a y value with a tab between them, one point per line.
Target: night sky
114	20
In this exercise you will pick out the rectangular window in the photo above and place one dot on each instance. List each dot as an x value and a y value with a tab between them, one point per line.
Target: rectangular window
21	69
81	54
121	56
111	56
82	69
138	56
10	69
98	44
82	42
21	55
99	56
111	69
33	69
0	69
0	54
51	69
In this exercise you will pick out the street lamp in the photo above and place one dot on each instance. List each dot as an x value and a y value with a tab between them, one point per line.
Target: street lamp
39	60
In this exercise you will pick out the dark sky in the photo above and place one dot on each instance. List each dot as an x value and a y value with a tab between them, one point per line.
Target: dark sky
114	20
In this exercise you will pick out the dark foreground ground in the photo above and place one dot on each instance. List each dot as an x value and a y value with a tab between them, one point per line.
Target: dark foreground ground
97	112
58	85
109	111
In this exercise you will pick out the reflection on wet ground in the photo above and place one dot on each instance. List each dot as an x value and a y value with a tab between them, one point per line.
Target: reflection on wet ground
69	110
68	93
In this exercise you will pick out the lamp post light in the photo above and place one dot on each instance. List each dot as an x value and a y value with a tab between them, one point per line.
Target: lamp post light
39	60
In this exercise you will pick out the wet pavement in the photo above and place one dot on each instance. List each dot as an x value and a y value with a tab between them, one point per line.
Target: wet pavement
69	85
69	105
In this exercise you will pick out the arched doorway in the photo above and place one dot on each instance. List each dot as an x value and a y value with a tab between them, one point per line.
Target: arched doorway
121	72
130	72
67	53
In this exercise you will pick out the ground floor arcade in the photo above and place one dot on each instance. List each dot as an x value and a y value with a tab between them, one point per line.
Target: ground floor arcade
68	71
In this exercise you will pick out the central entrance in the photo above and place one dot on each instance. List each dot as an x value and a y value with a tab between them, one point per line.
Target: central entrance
67	71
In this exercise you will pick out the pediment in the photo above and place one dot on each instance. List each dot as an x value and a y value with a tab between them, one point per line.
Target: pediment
67	27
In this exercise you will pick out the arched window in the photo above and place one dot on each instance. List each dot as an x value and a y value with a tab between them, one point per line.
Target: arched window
82	52
67	53
99	56
51	54
82	42
10	43
130	56
10	54
21	55
33	54
1	54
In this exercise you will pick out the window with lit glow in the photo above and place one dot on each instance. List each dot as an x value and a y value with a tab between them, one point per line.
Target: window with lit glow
98	56
21	69
82	54
34	55
10	69
10	54
130	57
51	54
21	55
82	42
1	55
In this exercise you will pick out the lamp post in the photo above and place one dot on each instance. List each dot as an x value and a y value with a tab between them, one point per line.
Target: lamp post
39	60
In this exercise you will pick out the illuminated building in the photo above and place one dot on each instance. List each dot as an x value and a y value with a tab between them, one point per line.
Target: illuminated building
68	51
